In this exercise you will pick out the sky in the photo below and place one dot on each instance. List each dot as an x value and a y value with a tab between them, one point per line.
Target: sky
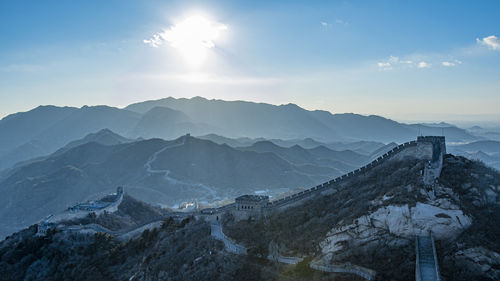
406	60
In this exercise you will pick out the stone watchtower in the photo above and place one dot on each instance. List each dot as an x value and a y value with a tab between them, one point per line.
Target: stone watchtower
250	206
436	147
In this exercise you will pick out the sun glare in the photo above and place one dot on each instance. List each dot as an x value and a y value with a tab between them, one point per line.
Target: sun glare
193	37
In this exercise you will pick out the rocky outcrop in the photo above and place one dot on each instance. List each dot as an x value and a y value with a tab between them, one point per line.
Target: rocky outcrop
480	260
444	220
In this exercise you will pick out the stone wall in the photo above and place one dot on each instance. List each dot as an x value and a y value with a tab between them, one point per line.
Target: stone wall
422	148
366	273
409	149
433	168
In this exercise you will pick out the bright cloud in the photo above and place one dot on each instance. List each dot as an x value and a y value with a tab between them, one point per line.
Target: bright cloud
336	22
192	37
451	63
492	42
423	64
394	62
383	64
155	41
390	63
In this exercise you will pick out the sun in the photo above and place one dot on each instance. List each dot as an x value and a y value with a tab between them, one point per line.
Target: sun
193	37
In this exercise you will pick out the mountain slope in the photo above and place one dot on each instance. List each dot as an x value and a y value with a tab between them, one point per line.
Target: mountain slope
372	220
360	147
22	127
486	151
156	171
239	118
484	146
177	250
239	142
104	137
344	161
43	130
163	122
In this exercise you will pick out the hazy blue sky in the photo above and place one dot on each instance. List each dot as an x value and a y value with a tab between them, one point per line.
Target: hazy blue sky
408	60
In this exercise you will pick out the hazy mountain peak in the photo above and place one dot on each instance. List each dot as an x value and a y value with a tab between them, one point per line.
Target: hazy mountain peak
166	112
265	144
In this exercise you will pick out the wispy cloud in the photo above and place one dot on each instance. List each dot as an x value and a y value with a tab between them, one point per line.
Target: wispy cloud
424	64
392	62
155	41
417	61
492	42
384	65
451	63
195	31
336	22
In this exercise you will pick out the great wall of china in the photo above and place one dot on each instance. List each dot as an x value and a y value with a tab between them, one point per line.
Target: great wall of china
430	148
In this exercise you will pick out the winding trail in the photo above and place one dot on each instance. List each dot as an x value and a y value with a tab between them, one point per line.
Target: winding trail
210	191
153	157
230	246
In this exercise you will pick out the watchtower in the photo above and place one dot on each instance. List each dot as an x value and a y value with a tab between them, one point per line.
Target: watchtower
437	146
250	206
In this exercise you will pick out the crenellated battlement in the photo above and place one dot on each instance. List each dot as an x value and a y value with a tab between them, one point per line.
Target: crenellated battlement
427	148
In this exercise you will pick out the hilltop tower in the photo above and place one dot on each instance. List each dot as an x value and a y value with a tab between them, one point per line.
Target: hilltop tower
437	147
250	206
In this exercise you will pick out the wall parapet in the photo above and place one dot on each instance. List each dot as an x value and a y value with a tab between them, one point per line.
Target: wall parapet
337	182
366	273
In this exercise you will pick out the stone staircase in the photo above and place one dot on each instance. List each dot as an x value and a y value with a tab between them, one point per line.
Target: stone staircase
426	267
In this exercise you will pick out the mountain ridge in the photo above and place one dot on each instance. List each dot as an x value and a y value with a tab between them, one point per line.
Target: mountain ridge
156	171
45	129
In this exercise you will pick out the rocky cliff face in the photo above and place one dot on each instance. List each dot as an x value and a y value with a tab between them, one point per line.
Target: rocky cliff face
372	221
444	221
368	223
445	210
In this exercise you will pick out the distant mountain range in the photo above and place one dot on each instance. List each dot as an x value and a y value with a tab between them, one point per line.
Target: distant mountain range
160	172
45	129
486	151
361	147
381	224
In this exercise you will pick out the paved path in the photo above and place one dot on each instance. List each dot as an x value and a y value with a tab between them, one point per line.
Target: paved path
232	247
151	159
138	231
287	260
210	191
426	262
